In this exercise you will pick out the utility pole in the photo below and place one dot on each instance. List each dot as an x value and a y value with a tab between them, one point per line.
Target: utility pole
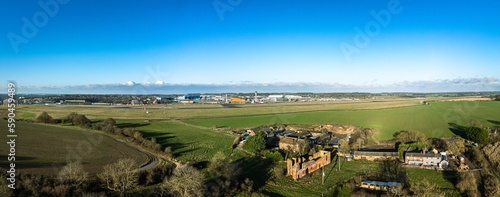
338	160
323	175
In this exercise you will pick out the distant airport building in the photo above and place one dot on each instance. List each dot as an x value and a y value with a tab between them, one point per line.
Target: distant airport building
192	96
237	100
74	102
276	98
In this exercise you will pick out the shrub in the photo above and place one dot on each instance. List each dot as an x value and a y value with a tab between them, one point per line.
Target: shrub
82	121
274	156
44	117
477	134
256	143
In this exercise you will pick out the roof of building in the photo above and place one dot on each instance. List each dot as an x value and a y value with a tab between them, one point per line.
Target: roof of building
382	183
288	140
422	155
373	153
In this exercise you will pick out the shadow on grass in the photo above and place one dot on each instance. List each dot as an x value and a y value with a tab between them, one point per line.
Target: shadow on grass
496	122
161	138
457	129
165	140
18	158
271	194
131	125
200	165
450	176
39	164
24	162
256	169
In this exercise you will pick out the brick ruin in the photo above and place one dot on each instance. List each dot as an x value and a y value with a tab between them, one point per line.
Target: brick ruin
300	167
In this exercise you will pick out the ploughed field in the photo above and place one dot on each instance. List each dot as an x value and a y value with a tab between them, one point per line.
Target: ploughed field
45	149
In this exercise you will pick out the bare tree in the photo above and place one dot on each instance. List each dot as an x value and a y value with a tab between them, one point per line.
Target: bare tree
73	174
185	181
467	183
120	176
71	117
457	145
410	136
109	121
4	190
424	188
343	150
397	192
344	147
44	117
81	120
359	143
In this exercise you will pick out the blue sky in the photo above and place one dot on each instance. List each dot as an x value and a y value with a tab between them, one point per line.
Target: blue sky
113	42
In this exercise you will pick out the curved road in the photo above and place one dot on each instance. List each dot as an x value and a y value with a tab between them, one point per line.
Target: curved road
153	160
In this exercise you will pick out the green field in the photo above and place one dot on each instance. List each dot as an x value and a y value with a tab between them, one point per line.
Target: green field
431	119
198	110
187	129
42	149
188	143
311	185
444	180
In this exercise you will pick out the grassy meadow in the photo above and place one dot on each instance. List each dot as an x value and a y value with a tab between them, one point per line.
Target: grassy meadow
188	143
310	185
188	130
199	110
430	119
44	149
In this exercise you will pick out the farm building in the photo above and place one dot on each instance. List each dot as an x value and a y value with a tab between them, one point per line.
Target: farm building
425	159
379	185
372	155
300	167
292	143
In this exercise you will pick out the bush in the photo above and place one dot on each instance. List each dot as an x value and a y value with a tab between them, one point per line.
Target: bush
409	136
109	121
44	117
256	143
274	156
70	118
477	134
82	121
168	152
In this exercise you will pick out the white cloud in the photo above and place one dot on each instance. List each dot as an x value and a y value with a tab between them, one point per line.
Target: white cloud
130	87
130	83
160	83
